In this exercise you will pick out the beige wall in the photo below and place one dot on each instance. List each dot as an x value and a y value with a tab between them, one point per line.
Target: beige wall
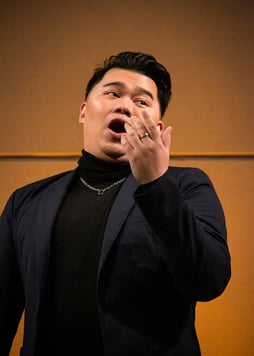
48	51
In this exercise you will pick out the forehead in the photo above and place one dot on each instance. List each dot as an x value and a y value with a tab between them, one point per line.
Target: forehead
130	79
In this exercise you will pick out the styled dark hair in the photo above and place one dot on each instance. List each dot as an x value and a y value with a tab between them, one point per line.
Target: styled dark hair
138	62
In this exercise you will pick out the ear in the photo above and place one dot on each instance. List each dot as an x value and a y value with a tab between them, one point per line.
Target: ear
160	126
82	113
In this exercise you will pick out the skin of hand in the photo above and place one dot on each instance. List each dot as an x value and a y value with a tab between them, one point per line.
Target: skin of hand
148	156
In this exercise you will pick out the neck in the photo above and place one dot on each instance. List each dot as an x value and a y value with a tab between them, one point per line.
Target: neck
94	169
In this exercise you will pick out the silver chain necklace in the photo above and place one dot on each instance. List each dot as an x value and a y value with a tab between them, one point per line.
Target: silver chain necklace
101	191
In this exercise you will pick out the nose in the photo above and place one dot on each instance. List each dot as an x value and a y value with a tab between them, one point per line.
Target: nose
124	106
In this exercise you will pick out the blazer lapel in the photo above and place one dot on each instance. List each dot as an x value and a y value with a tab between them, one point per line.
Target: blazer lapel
118	214
47	210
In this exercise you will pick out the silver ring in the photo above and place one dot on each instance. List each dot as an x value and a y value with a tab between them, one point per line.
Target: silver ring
146	134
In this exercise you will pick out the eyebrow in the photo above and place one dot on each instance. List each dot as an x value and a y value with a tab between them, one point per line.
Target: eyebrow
139	90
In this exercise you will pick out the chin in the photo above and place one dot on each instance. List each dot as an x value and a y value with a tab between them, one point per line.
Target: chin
117	156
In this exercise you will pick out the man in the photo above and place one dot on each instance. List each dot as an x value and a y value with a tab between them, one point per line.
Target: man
111	258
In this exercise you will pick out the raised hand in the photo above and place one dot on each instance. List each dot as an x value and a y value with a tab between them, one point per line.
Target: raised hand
147	146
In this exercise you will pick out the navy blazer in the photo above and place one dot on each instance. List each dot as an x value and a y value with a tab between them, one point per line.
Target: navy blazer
164	249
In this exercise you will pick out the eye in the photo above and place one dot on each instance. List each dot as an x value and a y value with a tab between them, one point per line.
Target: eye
113	93
141	102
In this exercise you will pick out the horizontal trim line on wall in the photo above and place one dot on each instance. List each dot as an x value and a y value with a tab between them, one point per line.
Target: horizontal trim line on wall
8	155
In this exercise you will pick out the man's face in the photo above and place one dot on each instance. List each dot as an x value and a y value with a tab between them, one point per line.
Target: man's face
119	96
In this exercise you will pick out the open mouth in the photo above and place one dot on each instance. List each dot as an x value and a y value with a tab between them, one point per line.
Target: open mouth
117	126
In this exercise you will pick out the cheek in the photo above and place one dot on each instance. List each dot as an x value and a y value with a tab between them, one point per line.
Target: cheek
94	107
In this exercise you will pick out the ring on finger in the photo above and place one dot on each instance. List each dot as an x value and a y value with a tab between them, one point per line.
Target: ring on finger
145	134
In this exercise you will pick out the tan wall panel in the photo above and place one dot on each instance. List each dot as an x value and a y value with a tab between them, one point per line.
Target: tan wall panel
49	49
15	173
48	52
225	325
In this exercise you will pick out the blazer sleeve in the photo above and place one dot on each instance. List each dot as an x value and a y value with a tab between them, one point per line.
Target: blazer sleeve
11	288
187	218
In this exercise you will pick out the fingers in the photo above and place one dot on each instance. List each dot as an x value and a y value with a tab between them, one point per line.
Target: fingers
131	140
146	145
143	131
145	127
150	127
136	130
140	128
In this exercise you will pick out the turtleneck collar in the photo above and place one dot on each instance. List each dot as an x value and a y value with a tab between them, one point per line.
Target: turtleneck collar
95	170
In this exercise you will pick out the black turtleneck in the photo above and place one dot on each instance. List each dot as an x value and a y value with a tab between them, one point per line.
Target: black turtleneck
76	243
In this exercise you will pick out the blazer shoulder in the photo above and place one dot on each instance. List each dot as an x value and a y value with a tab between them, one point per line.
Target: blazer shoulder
33	190
188	173
45	181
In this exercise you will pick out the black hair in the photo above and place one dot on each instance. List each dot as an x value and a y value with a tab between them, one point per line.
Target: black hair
138	62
